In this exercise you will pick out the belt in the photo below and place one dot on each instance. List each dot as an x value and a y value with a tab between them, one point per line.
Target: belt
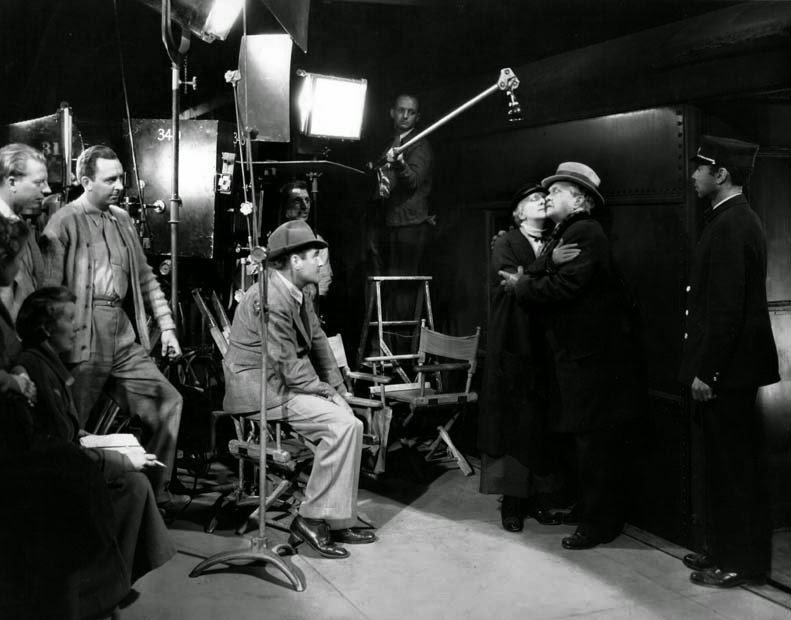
111	302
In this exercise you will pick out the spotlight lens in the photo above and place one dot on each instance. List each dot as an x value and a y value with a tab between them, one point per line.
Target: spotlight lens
222	16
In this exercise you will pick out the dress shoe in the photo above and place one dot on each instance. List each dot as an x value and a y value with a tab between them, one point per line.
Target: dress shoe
511	513
717	578
545	516
352	537
698	561
172	504
578	541
317	536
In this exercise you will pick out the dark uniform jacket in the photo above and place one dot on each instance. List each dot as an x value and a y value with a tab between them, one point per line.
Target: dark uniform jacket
410	185
728	342
583	308
512	416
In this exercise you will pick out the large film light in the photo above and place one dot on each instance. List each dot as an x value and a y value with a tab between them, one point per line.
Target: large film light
208	19
331	107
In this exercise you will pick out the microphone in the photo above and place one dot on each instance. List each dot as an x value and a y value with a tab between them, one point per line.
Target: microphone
514	109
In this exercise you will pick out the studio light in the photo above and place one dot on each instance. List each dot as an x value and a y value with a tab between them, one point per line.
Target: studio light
331	107
208	19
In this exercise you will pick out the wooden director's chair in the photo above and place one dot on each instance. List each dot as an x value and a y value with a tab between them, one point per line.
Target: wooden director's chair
437	354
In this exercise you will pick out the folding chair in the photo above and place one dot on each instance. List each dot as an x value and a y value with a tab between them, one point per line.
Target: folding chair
437	354
374	413
288	456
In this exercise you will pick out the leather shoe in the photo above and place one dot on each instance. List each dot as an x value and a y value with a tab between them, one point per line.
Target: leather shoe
172	504
698	561
352	537
578	541
545	517
317	536
511	514
718	578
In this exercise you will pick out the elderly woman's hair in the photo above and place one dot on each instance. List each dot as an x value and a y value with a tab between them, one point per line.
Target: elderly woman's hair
39	313
13	234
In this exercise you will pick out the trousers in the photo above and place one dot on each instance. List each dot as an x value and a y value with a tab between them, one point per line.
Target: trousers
736	477
331	492
139	388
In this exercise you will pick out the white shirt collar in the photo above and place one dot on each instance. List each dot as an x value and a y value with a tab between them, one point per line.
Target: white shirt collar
292	290
725	200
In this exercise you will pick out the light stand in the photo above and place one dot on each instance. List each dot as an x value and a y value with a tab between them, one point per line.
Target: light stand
259	545
176	52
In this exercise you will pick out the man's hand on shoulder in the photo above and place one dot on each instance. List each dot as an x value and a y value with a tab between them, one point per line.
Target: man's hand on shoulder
170	344
510	280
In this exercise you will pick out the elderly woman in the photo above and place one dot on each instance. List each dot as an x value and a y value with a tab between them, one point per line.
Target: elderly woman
141	541
513	436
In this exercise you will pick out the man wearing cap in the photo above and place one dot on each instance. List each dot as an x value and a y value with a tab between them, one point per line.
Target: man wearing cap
304	387
517	457
582	306
729	351
295	205
23	185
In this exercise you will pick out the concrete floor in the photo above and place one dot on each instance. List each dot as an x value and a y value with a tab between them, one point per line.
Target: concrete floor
441	555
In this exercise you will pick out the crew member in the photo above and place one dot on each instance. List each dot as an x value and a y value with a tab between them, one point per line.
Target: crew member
90	246
295	205
23	185
729	351
405	186
304	388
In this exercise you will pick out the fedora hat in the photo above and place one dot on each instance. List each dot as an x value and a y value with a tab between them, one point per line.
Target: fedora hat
292	237
524	191
579	174
725	153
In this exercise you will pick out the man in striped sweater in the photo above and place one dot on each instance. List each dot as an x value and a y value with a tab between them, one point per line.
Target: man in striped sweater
90	246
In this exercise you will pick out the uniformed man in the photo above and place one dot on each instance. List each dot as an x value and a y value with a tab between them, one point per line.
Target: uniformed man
729	351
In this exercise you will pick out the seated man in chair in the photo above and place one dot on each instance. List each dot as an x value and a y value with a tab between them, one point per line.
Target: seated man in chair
304	388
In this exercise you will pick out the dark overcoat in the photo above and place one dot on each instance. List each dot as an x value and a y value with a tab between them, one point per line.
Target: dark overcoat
140	541
728	342
583	309
512	414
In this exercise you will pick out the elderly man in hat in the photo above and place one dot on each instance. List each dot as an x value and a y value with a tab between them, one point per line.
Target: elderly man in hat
583	309
304	388
729	351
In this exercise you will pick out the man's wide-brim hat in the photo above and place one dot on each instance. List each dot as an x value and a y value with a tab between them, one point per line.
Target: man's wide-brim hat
524	191
293	236
726	153
579	174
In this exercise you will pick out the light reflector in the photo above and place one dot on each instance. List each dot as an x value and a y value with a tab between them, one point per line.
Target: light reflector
332	107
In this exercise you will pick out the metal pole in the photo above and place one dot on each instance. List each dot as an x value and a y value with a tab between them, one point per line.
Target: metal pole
175	200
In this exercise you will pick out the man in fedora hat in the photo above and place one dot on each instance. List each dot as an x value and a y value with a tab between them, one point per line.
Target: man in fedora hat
582	306
729	351
304	387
